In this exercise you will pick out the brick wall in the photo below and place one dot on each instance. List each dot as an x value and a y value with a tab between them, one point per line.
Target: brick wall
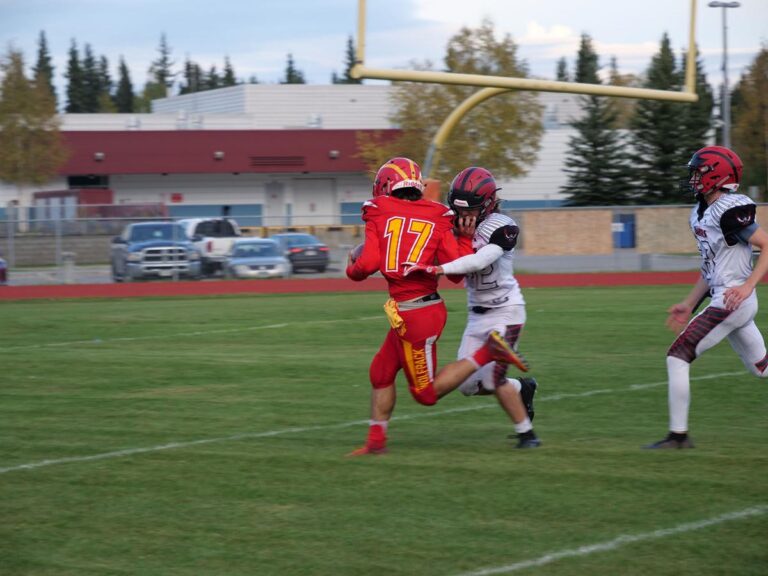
566	231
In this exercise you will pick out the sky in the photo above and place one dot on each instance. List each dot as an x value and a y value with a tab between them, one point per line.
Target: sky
257	35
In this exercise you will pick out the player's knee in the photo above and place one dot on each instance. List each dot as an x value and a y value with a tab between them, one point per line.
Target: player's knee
425	396
381	374
682	350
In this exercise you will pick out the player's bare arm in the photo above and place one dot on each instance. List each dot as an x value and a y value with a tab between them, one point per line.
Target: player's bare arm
680	313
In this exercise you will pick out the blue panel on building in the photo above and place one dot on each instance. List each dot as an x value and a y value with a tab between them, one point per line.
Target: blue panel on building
624	231
350	212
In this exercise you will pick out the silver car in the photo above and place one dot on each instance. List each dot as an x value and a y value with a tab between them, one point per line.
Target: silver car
257	258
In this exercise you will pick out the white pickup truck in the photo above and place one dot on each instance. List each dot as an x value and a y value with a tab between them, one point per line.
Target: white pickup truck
216	238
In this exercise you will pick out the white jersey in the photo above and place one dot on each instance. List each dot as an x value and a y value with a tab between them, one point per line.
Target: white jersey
495	285
726	258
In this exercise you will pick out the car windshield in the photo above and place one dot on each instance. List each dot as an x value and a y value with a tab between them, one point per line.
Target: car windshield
259	250
162	231
300	240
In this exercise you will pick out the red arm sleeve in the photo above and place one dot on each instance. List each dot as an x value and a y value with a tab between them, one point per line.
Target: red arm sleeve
465	245
448	252
368	262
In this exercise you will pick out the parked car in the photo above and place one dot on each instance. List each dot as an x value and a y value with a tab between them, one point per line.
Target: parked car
154	249
214	238
257	258
3	272
304	250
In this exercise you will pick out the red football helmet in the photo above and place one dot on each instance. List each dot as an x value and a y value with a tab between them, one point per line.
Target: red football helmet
395	174
474	188
714	168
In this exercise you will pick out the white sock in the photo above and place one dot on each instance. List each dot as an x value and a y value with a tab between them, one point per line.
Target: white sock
524	426
383	423
515	382
678	372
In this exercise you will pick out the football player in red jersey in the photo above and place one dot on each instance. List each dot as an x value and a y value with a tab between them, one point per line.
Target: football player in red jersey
723	224
402	228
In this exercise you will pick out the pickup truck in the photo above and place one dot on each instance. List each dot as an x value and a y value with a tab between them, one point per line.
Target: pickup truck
214	238
154	249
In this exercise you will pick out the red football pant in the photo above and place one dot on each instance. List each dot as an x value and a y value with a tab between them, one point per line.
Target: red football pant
415	352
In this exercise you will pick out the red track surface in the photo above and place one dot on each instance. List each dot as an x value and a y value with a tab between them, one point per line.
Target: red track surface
319	285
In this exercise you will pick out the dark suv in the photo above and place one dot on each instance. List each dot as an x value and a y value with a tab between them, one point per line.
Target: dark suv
304	251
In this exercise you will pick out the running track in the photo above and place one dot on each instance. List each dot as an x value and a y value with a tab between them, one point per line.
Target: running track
193	288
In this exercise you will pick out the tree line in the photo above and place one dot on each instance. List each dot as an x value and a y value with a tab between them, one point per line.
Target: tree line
91	88
622	151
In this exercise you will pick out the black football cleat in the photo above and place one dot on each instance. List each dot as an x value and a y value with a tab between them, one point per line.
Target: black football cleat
528	388
527	440
671	442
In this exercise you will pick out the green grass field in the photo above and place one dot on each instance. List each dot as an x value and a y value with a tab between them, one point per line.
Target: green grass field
206	436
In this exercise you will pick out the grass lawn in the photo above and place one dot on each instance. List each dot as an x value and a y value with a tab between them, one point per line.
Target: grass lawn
206	436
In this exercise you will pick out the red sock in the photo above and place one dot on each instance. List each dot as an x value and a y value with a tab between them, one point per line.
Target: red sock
482	356
377	437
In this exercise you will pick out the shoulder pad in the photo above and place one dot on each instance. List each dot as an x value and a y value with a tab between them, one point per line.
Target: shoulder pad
735	219
505	237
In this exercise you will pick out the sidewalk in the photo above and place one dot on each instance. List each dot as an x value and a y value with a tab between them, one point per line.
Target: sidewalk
619	261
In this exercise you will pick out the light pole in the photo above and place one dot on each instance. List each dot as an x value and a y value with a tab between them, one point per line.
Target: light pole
725	101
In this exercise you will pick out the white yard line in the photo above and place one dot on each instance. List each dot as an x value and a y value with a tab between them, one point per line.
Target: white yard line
296	430
620	541
183	334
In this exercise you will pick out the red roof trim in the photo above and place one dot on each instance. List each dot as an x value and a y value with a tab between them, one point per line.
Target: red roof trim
215	151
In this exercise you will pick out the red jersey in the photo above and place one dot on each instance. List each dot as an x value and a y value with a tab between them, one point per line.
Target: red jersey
399	232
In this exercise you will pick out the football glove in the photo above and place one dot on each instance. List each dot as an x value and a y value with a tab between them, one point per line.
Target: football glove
427	269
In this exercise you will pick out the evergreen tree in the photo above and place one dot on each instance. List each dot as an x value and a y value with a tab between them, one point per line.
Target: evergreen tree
335	78
229	78
350	63
161	72
625	107
750	123
32	149
193	78
106	101
212	79
43	70
76	87
596	162
587	66
660	145
292	74
124	96
696	120
561	74
91	83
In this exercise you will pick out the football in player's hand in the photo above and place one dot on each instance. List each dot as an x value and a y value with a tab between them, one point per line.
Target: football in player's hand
356	252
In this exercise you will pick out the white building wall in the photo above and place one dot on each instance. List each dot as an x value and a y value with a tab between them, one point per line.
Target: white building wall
257	106
278	106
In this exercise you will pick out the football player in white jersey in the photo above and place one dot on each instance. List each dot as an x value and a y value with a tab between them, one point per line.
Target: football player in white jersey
723	223
493	294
